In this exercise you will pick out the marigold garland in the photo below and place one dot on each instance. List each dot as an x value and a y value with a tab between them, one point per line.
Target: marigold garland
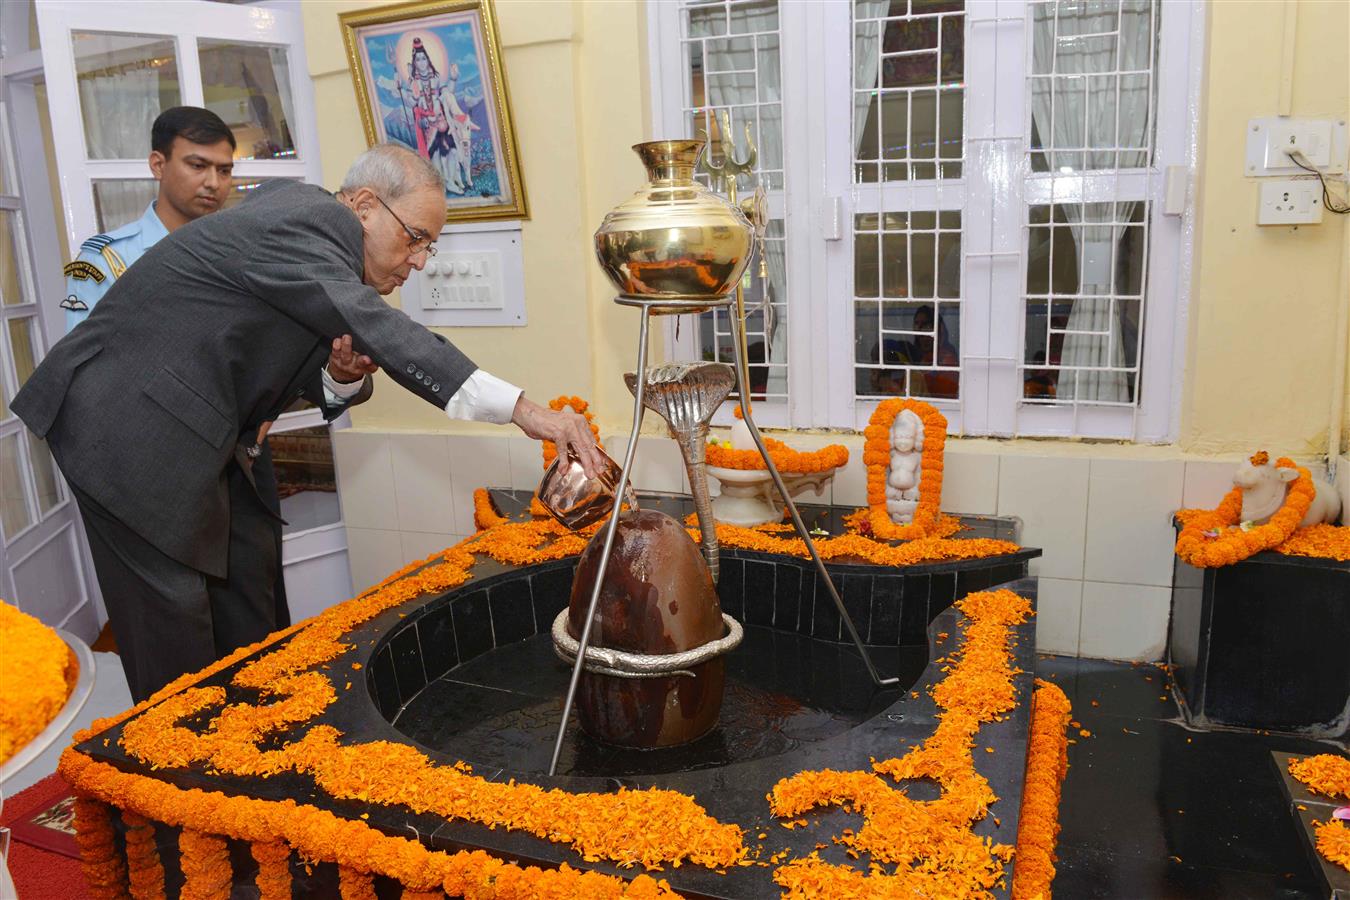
145	872
1333	842
274	869
105	872
355	885
936	853
1047	764
34	656
205	857
1325	773
785	459
619	826
1232	544
877	459
319	835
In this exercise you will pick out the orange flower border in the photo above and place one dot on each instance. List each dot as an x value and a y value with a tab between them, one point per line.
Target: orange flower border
978	688
787	460
877	458
1047	764
35	657
1232	545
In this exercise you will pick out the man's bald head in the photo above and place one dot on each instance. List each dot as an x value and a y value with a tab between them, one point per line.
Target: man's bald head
392	172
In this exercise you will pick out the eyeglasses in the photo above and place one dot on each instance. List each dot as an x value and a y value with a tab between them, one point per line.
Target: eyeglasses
418	241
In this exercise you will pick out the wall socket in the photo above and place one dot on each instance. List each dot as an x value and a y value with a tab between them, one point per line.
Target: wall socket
1292	201
1323	143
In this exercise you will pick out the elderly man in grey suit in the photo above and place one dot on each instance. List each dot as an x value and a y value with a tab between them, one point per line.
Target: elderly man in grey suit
151	406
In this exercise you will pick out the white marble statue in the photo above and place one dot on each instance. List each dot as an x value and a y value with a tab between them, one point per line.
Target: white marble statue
905	469
1264	488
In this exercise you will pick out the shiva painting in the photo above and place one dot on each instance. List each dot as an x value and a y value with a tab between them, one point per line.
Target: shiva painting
428	75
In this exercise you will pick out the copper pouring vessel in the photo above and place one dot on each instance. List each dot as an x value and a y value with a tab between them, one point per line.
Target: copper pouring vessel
576	500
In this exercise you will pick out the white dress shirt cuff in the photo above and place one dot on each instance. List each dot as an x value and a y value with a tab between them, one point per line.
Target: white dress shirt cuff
484	398
337	392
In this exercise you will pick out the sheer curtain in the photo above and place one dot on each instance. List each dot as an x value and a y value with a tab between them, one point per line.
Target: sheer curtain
866	53
737	54
119	106
1068	39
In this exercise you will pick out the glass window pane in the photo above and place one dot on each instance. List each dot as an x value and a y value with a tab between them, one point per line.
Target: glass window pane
15	515
11	286
249	86
303	460
117	202
44	473
125	81
21	333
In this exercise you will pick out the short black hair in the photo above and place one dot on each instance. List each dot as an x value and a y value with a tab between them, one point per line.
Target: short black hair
192	124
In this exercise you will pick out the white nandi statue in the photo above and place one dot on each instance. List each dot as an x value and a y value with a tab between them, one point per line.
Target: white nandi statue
1265	485
905	470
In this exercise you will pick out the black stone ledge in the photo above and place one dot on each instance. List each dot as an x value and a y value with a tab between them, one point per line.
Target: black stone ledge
1307	808
736	793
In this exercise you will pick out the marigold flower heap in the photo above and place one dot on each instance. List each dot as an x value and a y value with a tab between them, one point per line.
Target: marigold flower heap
931	843
1330	775
37	671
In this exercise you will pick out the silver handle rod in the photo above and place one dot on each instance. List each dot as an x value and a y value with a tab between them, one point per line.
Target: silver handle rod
611	529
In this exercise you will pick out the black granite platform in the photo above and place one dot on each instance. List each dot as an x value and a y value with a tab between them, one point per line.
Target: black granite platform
468	675
1152	809
1306	808
1262	644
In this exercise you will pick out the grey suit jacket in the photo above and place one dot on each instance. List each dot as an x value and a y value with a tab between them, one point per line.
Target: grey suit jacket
216	329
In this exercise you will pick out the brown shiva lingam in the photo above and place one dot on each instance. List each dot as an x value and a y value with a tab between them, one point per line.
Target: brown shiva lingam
654	677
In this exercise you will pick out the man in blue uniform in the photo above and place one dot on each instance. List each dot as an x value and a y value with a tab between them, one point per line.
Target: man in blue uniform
192	158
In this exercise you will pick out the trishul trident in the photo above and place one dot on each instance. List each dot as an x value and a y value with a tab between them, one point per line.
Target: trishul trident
755	209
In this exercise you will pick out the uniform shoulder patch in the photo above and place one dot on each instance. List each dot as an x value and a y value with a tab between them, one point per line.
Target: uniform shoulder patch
84	271
96	243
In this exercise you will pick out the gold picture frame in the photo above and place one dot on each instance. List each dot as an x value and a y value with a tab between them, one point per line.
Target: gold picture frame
429	76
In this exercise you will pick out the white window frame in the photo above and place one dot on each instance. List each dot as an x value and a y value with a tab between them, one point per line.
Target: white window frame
820	200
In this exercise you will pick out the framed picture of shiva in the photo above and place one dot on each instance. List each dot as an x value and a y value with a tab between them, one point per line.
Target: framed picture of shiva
429	76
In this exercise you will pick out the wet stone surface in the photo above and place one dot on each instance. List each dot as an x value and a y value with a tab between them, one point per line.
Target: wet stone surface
783	691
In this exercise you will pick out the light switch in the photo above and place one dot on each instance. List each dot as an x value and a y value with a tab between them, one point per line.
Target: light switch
468	280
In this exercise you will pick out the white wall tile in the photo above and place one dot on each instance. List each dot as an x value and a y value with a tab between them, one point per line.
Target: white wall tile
527	463
1129	530
365	479
419	544
373	553
1124	621
422	482
1049	495
850	483
476	461
658	465
1206	483
1058	612
970	483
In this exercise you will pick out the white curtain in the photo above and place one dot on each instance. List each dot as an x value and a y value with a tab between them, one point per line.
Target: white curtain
866	53
1072	114
725	90
118	108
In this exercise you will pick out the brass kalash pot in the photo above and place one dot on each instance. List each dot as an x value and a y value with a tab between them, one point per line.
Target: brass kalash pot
653	673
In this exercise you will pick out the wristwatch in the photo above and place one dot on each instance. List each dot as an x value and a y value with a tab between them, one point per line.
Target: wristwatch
254	452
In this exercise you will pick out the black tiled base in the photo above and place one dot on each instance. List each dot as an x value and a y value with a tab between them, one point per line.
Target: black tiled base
1308	808
1152	809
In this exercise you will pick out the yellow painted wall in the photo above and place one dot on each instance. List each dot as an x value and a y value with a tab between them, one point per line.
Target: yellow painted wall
1262	308
577	101
1263	302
